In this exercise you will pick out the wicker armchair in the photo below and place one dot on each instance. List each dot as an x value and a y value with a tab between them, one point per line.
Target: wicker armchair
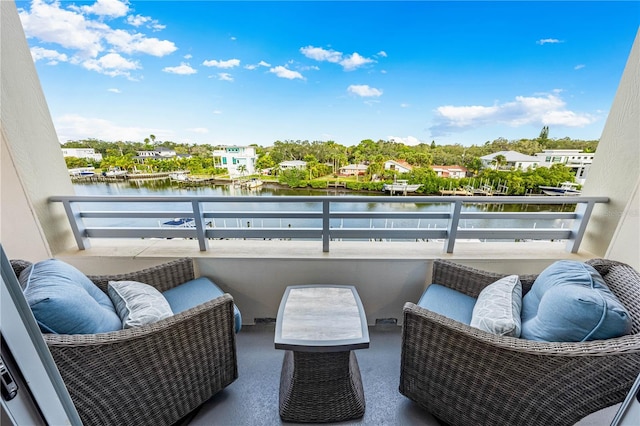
465	376
154	374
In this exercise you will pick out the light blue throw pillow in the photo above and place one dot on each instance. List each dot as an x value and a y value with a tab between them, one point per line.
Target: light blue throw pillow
64	301
570	302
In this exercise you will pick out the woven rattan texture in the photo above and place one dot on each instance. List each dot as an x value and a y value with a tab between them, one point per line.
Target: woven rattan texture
155	374
465	376
321	387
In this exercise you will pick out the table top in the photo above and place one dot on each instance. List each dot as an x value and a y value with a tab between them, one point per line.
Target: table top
321	318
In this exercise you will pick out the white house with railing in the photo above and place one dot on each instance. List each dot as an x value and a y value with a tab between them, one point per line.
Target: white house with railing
575	159
236	159
88	153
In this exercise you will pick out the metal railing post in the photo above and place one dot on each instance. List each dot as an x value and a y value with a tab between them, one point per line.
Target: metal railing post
583	213
452	229
77	225
325	225
200	225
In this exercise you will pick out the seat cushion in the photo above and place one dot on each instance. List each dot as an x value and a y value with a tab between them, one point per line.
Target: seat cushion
450	303
570	302
195	292
64	301
498	307
138	303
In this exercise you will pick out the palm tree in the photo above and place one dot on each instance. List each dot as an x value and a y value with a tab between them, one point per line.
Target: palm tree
499	160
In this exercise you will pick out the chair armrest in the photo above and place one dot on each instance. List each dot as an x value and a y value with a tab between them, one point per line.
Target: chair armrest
154	374
489	372
163	277
468	280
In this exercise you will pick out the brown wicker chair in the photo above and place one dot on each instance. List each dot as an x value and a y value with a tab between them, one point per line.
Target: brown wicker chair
465	376
154	374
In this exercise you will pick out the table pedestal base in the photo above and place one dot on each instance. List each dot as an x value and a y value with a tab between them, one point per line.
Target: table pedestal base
320	387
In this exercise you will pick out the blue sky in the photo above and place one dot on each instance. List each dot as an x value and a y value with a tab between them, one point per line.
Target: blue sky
244	72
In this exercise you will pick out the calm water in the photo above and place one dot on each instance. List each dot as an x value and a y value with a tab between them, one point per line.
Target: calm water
164	187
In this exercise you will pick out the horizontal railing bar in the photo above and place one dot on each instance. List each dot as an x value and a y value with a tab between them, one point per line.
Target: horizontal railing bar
146	232
518	215
546	200
134	214
491	233
398	233
389	215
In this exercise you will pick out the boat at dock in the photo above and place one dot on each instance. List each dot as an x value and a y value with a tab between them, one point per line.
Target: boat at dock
252	183
565	188
400	186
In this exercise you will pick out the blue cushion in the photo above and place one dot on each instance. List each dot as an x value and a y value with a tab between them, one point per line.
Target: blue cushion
195	292
570	302
450	303
64	301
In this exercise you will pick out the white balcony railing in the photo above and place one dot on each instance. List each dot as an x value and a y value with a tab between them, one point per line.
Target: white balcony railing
326	218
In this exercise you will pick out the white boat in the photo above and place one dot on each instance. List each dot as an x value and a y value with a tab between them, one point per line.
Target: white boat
181	177
565	188
400	185
115	172
252	183
82	172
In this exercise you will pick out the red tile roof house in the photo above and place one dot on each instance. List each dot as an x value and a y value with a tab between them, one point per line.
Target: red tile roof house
456	172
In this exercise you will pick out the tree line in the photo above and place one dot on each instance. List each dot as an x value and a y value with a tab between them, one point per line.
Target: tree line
324	158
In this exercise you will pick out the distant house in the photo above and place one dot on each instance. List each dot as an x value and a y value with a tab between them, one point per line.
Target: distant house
160	153
88	153
294	164
238	160
353	170
455	172
513	160
575	159
398	166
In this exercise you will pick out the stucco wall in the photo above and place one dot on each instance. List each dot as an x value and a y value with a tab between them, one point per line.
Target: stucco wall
614	229
33	167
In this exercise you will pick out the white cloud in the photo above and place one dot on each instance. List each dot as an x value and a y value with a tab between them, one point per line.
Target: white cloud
225	76
255	66
85	38
382	53
52	56
147	21
364	90
409	140
354	61
284	72
217	112
349	62
579	66
111	64
548	41
230	63
544	110
114	90
320	54
129	43
49	23
75	127
188	56
110	8
182	69
200	130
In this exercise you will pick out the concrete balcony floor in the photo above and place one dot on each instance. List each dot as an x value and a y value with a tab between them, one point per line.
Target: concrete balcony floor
252	400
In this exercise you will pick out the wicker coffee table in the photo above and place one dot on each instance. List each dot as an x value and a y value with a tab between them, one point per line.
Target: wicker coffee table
319	326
